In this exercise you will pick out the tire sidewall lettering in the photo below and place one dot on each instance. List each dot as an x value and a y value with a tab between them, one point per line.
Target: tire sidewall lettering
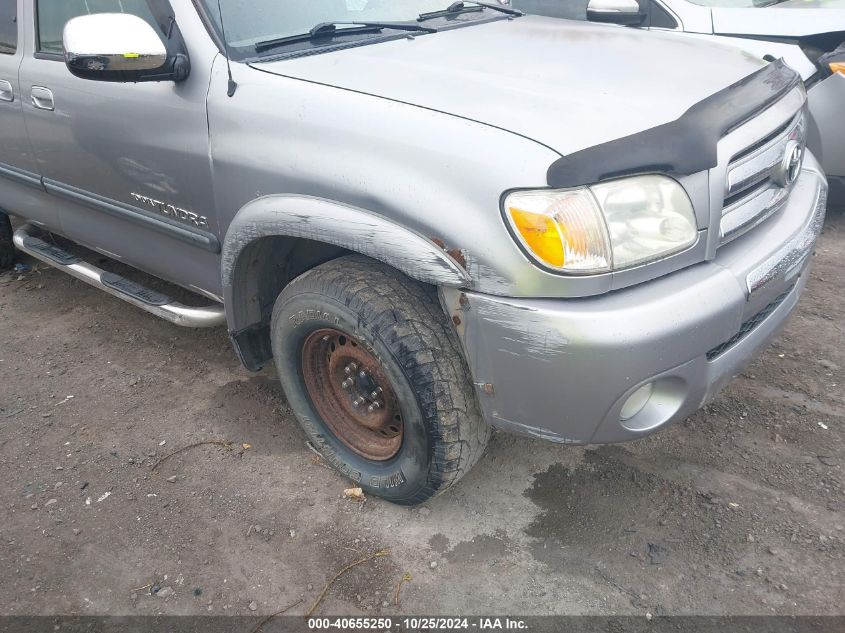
327	318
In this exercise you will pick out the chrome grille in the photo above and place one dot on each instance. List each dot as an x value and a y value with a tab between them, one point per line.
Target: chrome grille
757	180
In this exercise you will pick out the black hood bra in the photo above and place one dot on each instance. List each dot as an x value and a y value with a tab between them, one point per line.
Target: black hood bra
681	147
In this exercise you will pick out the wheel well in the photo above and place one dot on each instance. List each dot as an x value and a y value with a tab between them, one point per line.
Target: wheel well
263	269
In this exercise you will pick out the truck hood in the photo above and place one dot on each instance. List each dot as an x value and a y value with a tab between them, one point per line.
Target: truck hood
793	18
568	85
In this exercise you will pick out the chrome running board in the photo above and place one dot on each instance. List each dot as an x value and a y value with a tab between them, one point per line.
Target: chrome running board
147	299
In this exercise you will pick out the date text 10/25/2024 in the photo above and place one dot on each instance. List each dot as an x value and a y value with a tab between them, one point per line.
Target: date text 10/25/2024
418	623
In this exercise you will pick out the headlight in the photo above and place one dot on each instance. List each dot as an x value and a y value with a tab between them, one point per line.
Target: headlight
608	226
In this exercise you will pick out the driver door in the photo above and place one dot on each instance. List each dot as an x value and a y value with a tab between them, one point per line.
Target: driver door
127	162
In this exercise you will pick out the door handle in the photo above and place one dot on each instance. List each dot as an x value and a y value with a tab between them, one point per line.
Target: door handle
6	92
42	98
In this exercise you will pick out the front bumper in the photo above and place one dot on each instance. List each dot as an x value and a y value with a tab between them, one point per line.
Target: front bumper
562	369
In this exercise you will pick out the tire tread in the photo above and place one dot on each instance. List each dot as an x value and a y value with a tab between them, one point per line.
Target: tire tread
407	316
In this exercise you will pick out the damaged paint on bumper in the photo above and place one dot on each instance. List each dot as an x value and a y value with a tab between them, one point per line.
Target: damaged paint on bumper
562	369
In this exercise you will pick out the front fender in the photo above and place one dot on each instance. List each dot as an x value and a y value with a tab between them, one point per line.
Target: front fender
337	224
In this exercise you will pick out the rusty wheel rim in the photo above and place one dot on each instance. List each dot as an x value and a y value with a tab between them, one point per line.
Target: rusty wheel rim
350	391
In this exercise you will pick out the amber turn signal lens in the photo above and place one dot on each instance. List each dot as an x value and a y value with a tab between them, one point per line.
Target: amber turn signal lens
540	234
837	67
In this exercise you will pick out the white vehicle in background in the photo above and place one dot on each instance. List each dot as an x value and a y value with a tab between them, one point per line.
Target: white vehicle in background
808	34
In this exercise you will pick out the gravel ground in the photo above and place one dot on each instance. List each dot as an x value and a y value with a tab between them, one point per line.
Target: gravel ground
737	510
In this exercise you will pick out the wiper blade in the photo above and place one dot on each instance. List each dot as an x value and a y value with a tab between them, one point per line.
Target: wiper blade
329	30
466	6
454	9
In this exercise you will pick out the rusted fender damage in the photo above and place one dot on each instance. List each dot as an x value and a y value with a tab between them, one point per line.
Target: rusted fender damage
340	225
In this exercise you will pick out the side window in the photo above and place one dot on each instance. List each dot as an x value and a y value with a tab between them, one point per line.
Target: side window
8	26
54	14
661	18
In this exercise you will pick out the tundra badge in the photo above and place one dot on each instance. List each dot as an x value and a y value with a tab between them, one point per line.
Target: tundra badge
172	211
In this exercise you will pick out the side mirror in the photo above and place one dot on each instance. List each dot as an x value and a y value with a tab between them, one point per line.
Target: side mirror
120	47
624	12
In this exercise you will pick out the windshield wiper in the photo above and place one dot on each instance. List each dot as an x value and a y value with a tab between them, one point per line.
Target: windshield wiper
329	30
457	8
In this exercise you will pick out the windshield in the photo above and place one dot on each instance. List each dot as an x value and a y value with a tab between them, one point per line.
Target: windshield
247	22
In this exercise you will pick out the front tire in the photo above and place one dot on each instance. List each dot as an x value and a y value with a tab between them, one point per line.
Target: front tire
374	373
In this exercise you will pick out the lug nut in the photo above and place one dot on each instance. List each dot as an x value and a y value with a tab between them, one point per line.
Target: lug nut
346	384
375	393
363	374
374	407
357	402
350	368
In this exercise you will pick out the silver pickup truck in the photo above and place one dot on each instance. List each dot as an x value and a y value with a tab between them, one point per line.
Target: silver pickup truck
435	219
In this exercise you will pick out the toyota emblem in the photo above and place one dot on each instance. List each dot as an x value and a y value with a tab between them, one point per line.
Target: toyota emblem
787	172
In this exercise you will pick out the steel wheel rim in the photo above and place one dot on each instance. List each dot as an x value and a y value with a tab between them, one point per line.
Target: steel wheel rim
351	392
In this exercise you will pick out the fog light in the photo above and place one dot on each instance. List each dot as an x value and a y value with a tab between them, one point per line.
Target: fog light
637	401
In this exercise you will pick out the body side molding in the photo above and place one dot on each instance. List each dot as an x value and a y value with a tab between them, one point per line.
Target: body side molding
193	236
196	237
21	176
